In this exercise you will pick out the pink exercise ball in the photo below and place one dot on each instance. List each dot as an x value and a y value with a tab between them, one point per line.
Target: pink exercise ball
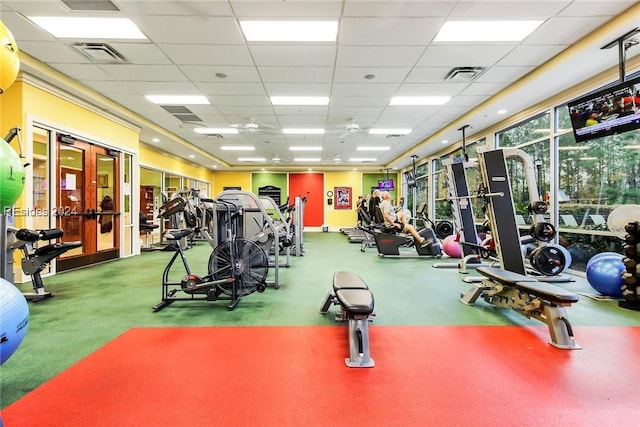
451	247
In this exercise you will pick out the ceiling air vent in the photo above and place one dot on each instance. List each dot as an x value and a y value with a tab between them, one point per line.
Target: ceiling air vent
464	74
91	5
181	113
100	53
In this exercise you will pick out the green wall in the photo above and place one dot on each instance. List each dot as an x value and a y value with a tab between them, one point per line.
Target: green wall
370	180
261	179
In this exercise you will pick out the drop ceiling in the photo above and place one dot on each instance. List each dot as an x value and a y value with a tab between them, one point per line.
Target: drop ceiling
383	49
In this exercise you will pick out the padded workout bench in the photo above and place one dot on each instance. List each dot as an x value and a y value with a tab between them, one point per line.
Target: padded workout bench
352	294
528	297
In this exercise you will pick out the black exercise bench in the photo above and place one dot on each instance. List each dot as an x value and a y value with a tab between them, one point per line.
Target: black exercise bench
528	297
355	299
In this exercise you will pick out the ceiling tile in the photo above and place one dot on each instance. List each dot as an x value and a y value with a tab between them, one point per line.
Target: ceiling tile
503	74
371	89
502	9
83	71
273	74
234	74
293	55
202	54
53	52
382	74
388	31
240	89
530	55
387	8
463	55
430	89
226	100
326	9
366	56
141	53
427	74
141	73
191	29
298	89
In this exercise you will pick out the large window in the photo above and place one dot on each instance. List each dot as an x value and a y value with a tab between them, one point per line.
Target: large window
594	178
532	137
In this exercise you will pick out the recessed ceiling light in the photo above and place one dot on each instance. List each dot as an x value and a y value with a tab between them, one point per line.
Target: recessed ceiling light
221	75
370	76
214	131
419	100
155	140
88	27
382	131
501	111
302	131
305	148
237	148
444	141
299	100
307	159
362	159
191	156
178	99
290	31
372	148
251	159
485	31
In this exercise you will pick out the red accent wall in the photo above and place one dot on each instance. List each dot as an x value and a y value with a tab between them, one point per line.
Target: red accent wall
311	186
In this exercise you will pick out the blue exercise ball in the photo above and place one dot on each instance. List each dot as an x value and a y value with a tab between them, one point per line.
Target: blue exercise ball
605	275
14	319
603	255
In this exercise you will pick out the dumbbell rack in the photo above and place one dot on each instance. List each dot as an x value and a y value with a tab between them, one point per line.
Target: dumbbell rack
631	275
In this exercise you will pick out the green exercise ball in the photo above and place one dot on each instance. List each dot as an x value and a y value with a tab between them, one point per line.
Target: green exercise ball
11	176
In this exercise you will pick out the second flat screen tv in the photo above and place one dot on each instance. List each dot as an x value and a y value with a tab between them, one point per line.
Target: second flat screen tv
612	110
385	185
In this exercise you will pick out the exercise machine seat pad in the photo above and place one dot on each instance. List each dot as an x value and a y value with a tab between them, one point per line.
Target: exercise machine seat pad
356	301
347	280
504	276
549	292
177	234
57	247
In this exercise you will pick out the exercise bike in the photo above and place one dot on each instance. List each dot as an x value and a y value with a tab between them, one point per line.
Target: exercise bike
237	267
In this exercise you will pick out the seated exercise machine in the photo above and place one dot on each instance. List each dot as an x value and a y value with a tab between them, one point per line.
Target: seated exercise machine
509	286
36	258
237	267
356	303
389	241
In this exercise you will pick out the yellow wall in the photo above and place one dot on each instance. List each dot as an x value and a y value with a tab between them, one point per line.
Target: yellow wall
340	218
231	179
174	165
68	115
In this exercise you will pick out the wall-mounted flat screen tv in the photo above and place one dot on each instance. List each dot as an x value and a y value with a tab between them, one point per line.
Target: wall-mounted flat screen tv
410	178
385	185
608	111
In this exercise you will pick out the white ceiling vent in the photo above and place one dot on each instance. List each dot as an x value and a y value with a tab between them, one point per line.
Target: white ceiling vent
464	74
100	53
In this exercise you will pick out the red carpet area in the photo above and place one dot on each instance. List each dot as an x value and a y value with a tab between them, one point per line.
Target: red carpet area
296	376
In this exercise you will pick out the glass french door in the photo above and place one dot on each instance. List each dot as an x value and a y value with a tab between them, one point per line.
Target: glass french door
87	207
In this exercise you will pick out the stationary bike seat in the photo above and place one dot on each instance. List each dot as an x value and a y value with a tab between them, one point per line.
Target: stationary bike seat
177	234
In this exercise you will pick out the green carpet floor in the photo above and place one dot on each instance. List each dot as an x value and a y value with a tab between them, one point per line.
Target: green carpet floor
96	304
